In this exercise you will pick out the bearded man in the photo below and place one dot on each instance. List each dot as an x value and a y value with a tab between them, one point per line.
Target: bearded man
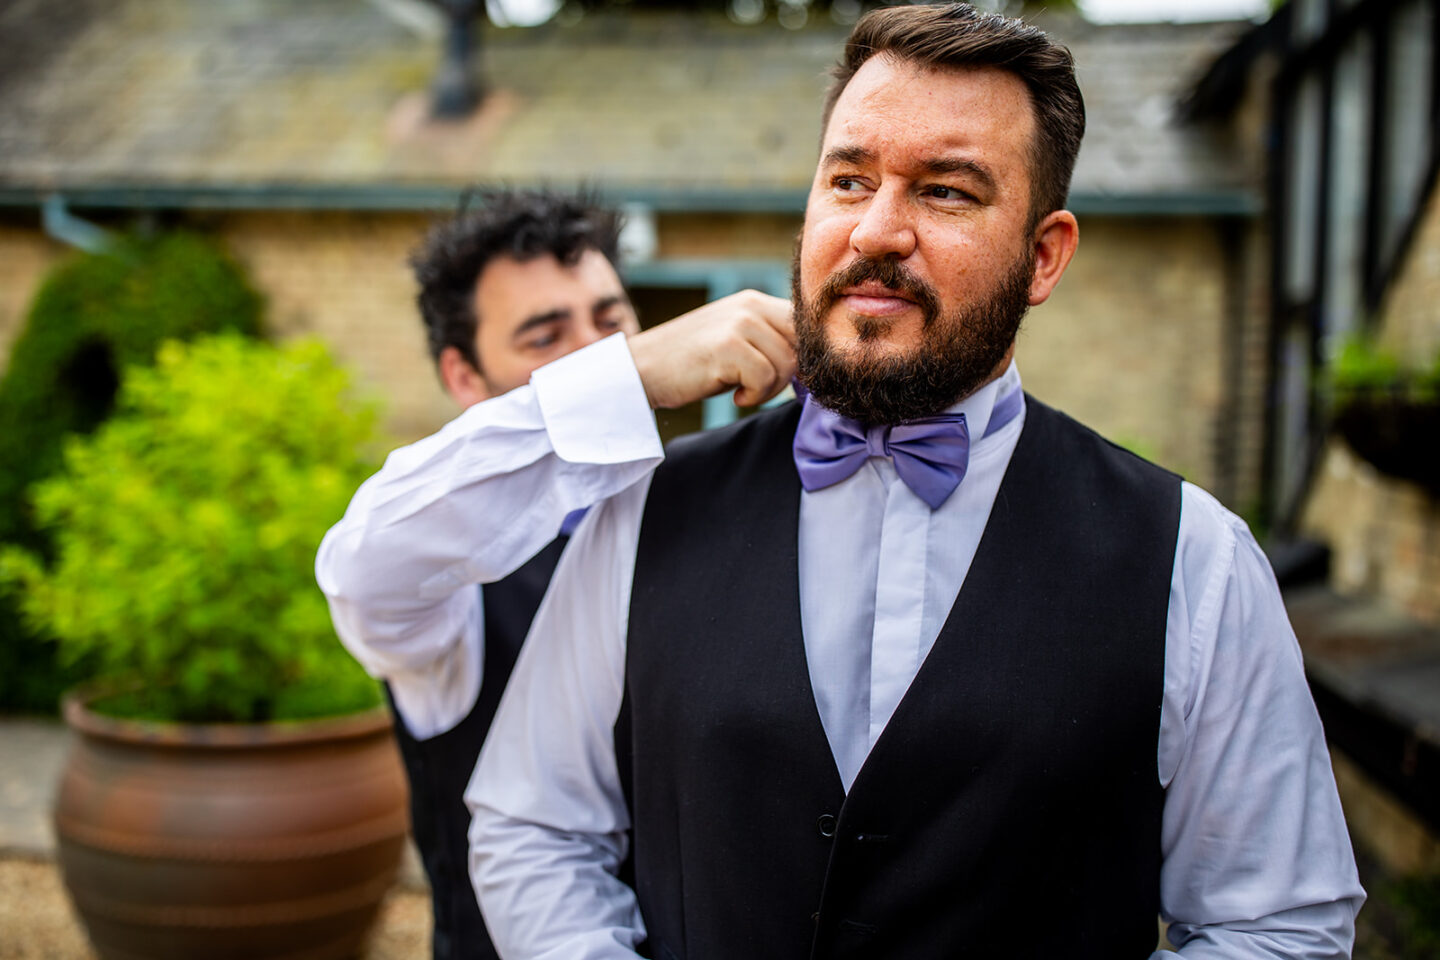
918	668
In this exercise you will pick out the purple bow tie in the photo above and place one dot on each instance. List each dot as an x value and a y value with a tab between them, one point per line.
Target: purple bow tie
571	521
930	454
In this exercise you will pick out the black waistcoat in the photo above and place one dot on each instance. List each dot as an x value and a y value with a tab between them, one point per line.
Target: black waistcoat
439	767
1011	806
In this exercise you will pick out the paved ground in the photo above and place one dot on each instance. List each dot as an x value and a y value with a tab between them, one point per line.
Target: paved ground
36	922
31	754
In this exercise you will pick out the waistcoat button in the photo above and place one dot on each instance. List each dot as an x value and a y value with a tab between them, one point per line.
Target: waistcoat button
826	823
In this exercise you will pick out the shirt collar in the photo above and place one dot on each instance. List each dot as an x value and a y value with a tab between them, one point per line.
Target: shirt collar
979	406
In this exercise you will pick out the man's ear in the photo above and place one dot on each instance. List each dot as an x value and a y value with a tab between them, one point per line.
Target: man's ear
462	381
1056	238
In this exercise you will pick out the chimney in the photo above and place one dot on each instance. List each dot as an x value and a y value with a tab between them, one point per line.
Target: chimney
456	91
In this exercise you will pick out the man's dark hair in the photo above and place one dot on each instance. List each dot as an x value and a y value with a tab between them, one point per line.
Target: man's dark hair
957	35
521	224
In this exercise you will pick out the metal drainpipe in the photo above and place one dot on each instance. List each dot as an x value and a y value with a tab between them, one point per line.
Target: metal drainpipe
62	225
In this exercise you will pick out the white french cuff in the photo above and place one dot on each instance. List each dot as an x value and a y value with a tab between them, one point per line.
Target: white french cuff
594	406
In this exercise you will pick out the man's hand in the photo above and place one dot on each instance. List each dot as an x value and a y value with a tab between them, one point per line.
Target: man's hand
745	341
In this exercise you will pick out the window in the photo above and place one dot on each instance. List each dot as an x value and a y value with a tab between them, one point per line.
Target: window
663	289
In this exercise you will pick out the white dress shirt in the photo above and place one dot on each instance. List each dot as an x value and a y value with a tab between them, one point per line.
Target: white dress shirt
468	505
1257	862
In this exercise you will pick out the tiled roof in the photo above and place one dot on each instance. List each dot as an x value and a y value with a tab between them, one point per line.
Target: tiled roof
247	94
1133	77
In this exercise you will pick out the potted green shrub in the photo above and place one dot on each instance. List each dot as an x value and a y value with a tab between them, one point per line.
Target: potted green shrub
1388	414
93	314
235	789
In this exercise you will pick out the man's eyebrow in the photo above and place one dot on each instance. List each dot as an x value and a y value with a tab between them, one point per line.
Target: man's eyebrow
605	303
558	315
859	156
961	165
848	156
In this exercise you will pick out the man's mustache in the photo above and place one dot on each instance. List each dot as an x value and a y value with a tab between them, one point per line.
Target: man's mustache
886	272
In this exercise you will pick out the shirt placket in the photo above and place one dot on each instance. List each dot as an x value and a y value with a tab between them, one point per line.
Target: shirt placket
899	601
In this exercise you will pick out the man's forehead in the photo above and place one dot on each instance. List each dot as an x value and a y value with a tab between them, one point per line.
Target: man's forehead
513	289
951	103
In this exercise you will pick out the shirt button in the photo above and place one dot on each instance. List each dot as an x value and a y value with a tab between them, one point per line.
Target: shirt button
826	823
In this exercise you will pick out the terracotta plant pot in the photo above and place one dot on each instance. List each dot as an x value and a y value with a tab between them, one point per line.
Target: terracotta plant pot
223	841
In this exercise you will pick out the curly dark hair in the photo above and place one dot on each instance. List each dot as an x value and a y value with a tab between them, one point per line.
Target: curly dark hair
522	224
958	35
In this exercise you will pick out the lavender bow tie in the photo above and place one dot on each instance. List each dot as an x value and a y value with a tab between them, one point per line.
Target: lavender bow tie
930	454
572	520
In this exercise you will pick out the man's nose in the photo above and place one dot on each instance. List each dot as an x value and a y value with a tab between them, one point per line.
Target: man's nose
886	228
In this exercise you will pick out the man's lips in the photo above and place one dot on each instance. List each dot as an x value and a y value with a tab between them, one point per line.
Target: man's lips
875	300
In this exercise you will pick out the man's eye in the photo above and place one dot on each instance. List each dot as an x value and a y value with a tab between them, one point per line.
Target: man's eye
847	184
541	342
942	192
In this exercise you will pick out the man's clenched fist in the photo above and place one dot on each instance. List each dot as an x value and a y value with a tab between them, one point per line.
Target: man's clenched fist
745	341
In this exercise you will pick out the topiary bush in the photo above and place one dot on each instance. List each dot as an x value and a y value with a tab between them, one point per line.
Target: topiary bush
93	315
185	530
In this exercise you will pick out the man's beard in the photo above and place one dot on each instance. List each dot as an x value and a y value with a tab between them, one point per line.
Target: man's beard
957	354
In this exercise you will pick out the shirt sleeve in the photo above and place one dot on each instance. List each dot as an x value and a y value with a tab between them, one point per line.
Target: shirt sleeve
469	505
548	816
1257	860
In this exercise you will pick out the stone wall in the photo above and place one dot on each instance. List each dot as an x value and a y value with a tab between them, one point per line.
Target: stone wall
1385	533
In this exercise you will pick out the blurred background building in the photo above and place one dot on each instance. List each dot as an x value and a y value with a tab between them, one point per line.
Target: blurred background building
1256	198
304	137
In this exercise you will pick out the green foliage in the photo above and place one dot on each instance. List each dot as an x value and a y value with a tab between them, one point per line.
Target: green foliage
1418	902
1361	365
185	531
93	315
1401	919
1363	368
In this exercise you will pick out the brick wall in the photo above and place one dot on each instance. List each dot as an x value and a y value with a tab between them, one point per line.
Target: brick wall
1385	533
1411	313
25	255
1133	341
343	277
760	236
